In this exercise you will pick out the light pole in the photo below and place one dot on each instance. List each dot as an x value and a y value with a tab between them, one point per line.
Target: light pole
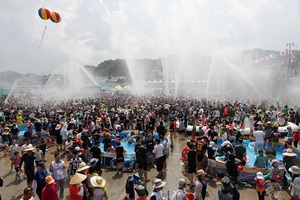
289	45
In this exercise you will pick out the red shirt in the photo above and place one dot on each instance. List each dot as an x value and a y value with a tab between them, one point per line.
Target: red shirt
50	193
73	193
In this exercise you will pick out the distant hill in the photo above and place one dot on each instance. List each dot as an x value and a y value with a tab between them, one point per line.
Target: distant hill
119	67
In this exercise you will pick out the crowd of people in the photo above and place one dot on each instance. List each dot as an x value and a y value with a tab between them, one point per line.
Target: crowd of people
75	129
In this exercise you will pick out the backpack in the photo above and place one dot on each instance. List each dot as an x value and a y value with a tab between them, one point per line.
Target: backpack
225	195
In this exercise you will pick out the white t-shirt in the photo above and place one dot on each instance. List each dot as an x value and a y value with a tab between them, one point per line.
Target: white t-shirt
259	136
179	195
158	150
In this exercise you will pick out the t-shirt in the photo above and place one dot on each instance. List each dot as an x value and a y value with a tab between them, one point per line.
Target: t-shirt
95	152
50	193
100	193
261	161
259	136
74	165
158	150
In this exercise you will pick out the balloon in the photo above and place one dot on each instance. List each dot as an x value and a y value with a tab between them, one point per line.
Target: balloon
240	167
44	13
81	150
55	17
278	177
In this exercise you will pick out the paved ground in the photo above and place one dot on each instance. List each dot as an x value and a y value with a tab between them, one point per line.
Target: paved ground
12	190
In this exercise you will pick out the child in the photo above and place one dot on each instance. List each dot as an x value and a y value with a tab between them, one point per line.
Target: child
38	154
260	185
16	162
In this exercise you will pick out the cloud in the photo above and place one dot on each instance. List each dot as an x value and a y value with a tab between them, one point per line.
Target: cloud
94	30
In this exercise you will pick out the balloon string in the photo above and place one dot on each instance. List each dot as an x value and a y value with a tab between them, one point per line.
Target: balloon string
42	37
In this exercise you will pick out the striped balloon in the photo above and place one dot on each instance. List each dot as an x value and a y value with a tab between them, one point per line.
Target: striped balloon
44	13
55	17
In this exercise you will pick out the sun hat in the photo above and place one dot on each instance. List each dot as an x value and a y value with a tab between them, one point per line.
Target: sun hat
158	183
77	148
58	126
82	166
274	161
141	191
181	182
49	180
201	172
259	123
289	152
226	184
98	181
259	175
294	170
77	178
29	148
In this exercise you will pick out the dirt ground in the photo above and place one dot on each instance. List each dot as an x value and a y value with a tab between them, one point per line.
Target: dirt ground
12	190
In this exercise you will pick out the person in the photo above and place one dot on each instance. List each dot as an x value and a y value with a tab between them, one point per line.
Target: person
275	172
260	185
158	153
158	186
226	147
38	155
240	151
211	164
142	192
96	151
120	157
16	163
191	163
64	135
131	181
180	193
142	161
226	190
201	147
59	173
76	188
14	147
106	141
289	159
259	139
74	163
39	178
99	190
275	137
27	194
50	190
296	138
290	135
261	160
200	186
295	184
28	160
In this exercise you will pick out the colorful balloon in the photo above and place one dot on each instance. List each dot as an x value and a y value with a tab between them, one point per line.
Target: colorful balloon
55	17
44	13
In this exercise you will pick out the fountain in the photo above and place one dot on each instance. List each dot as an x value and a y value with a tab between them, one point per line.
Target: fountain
70	81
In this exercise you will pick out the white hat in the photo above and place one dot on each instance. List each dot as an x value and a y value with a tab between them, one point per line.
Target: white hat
77	178
274	161
289	152
98	181
201	172
82	166
259	175
181	182
29	148
77	148
212	144
158	183
294	170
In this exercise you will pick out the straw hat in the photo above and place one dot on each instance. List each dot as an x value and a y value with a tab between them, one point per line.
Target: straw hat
259	175
141	191
259	123
289	152
158	183
49	180
29	148
181	182
82	166
58	126
294	170
201	172
77	178
98	181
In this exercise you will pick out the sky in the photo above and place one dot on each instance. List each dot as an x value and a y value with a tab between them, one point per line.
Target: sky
92	31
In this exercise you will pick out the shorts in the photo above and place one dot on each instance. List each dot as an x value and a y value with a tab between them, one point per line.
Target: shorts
143	165
17	169
120	160
164	158
29	174
182	131
191	169
211	163
159	163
